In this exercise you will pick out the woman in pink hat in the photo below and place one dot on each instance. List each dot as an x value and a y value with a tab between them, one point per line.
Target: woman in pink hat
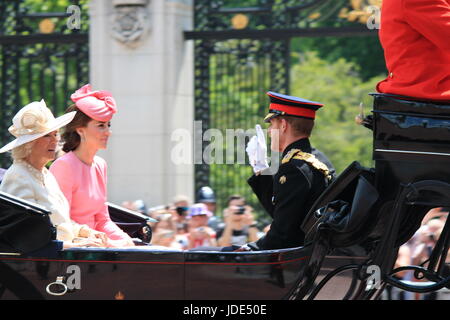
36	132
81	174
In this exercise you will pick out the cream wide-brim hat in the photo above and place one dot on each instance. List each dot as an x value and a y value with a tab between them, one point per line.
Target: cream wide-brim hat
33	121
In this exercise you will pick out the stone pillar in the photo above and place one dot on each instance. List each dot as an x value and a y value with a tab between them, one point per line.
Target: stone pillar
139	54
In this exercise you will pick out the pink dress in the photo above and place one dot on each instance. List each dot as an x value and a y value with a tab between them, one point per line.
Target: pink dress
85	189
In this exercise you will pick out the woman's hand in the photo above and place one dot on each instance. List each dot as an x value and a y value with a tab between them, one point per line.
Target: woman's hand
100	236
83	242
89	233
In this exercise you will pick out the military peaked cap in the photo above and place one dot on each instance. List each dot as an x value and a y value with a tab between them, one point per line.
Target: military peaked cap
281	104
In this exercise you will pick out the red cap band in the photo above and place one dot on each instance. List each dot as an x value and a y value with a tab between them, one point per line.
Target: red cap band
294	111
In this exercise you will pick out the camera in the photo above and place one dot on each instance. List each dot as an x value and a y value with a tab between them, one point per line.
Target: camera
240	210
182	210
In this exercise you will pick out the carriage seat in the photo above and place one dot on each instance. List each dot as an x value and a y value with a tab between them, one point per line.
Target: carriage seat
407	129
344	207
135	224
25	227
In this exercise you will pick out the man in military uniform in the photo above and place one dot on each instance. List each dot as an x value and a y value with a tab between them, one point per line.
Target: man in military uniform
302	176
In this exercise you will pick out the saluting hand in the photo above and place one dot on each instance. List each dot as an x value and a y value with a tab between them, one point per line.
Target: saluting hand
257	150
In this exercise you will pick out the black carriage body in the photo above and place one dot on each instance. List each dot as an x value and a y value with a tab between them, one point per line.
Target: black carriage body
154	274
411	142
146	272
142	272
168	275
382	208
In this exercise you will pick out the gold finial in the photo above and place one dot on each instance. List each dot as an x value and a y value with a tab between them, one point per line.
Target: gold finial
239	21
46	26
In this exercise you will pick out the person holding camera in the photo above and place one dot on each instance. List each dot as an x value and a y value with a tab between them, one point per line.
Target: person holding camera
240	226
200	234
180	209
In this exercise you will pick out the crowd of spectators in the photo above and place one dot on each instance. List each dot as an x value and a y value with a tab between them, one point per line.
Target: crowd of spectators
417	252
185	225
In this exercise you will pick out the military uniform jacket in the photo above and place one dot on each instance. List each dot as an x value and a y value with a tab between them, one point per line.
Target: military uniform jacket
287	196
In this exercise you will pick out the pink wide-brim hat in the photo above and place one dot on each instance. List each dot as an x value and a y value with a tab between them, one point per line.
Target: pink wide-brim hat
98	105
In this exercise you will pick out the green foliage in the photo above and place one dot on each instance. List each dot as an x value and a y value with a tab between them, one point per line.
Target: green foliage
54	6
241	3
47	6
43	68
338	86
365	52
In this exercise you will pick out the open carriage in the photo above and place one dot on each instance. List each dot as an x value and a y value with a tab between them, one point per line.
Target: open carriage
353	232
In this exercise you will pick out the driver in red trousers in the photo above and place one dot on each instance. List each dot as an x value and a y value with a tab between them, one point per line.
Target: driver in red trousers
415	35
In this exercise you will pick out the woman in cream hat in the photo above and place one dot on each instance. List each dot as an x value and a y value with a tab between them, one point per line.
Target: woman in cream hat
35	129
82	174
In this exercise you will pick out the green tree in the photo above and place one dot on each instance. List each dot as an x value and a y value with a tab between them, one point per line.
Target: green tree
339	87
365	52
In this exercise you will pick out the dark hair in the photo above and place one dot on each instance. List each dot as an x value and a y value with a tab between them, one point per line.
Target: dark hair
235	197
70	136
301	126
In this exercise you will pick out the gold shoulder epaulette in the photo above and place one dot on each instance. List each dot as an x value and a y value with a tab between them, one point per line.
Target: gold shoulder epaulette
289	155
309	159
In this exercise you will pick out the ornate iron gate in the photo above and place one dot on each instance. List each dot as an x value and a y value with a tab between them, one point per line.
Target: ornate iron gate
42	56
240	54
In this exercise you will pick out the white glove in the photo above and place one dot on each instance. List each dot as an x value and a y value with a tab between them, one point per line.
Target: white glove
257	151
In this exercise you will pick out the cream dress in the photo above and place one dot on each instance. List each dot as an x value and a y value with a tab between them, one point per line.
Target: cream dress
26	182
